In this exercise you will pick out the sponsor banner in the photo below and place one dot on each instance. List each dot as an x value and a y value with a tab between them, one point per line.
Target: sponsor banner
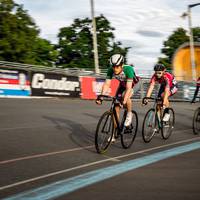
91	87
49	84
14	82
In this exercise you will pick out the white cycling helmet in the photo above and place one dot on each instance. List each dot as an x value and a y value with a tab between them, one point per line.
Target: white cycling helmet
116	59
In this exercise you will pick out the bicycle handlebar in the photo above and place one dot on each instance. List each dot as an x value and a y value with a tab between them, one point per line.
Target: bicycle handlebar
153	98
104	96
114	99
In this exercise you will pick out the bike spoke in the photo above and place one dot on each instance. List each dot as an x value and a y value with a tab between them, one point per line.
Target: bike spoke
149	126
129	133
196	122
167	127
104	132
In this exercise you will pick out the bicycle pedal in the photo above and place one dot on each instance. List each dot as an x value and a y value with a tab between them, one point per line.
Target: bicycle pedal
116	136
128	129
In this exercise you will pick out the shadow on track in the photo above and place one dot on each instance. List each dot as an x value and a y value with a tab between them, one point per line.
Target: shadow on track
78	134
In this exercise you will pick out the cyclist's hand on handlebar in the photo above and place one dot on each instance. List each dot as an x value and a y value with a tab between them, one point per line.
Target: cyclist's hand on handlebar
99	100
144	101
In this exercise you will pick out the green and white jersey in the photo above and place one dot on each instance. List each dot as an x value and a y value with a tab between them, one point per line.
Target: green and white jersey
127	74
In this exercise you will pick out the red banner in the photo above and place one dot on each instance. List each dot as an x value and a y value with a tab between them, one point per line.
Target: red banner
91	87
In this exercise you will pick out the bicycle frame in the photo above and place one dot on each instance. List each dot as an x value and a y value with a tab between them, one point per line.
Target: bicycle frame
115	102
158	110
113	110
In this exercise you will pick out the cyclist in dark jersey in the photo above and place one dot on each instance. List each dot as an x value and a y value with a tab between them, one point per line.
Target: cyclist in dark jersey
168	87
126	76
197	90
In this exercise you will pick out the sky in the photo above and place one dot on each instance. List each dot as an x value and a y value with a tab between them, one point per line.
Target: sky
142	25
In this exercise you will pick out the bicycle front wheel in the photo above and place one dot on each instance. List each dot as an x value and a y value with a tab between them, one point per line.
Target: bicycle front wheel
167	127
129	133
104	132
149	126
196	122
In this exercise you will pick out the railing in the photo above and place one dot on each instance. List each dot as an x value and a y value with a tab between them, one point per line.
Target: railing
68	71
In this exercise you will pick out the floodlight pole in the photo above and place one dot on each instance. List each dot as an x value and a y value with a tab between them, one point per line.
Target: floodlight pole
95	49
192	51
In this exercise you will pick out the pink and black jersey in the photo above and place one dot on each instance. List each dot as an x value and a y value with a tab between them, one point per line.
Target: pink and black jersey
198	81
167	80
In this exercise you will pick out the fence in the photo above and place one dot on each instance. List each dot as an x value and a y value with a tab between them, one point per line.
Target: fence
18	79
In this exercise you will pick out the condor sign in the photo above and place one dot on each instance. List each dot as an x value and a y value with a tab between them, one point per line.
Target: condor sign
44	84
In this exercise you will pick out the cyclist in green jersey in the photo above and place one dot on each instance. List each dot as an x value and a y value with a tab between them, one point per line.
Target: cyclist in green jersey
127	78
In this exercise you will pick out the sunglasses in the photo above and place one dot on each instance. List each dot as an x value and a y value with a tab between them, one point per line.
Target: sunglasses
158	72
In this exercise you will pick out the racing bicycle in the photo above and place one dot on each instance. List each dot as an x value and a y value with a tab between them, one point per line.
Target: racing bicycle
110	126
153	122
196	121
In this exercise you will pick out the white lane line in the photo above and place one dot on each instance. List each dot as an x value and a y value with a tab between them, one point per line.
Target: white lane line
44	154
25	127
94	163
59	152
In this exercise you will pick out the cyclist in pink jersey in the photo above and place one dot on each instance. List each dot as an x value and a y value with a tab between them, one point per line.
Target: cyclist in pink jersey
168	87
197	90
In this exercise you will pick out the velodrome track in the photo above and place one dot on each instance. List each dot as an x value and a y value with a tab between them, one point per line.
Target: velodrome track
47	152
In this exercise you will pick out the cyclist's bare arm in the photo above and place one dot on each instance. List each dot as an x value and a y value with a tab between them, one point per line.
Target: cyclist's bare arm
104	91
149	92
106	87
150	89
128	92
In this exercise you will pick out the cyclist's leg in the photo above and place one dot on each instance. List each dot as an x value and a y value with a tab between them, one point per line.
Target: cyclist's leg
129	102
160	95
117	108
165	96
129	110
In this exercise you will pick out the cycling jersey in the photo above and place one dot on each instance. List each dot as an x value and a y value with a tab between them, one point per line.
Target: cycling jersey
198	81
167	80
127	75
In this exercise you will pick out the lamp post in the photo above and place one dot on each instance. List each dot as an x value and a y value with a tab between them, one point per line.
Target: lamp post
192	52
96	59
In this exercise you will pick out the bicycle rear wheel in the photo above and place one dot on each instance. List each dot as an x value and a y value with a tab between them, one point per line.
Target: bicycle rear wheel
104	132
167	127
149	125
196	122
129	134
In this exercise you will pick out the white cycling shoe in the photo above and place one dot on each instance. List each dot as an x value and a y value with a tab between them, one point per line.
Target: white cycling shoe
166	117
113	139
128	120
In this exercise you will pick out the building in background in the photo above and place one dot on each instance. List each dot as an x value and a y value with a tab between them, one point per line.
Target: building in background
182	68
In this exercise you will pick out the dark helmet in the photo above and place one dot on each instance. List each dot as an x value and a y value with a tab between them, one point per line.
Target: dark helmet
159	67
116	59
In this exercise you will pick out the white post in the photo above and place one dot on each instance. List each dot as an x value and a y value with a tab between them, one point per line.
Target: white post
96	59
192	52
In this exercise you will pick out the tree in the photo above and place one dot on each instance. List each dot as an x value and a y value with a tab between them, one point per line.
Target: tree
19	37
173	42
76	46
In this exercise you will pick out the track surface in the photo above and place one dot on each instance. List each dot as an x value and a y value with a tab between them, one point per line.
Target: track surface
43	141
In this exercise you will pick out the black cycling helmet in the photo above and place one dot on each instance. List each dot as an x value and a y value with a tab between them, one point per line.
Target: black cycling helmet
116	59
159	67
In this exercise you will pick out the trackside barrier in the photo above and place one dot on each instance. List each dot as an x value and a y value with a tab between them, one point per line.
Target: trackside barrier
22	81
91	87
51	84
14	83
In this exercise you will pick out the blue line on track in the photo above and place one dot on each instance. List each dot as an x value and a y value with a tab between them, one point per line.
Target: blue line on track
59	188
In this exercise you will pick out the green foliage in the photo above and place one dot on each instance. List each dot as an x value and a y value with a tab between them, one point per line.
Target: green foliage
19	37
20	41
76	44
173	42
